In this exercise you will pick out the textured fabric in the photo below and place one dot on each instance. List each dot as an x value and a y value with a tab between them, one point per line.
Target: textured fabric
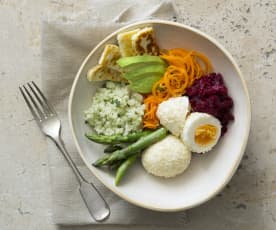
64	46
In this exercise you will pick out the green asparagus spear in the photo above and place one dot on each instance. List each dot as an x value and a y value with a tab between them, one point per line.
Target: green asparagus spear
130	150
101	160
116	165
117	139
112	148
121	171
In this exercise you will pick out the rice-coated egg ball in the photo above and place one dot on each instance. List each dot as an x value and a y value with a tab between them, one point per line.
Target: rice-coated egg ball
166	158
172	113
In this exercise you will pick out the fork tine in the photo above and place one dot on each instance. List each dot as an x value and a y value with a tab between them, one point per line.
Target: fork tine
29	104
34	103
50	107
42	104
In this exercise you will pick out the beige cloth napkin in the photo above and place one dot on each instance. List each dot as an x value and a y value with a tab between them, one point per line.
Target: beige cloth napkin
64	46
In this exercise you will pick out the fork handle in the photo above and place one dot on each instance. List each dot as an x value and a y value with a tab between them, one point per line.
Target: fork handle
94	201
61	147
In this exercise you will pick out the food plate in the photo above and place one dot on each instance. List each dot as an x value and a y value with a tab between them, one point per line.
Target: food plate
207	174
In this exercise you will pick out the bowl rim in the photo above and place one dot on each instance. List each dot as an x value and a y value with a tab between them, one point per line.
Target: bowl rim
247	125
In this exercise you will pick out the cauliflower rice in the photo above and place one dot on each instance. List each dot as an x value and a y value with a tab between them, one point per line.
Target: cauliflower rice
115	110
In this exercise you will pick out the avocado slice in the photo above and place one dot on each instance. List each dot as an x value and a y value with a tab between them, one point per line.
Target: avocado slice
129	61
144	85
144	71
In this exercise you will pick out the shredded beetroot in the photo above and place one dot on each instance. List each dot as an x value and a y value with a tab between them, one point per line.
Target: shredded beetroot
209	95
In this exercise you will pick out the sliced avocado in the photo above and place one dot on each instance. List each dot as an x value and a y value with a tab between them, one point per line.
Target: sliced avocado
128	61
145	71
144	85
134	67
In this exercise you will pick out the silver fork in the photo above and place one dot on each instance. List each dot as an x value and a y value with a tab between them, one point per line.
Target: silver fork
49	123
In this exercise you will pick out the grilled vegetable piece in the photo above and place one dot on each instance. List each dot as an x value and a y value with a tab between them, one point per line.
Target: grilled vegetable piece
110	55
102	73
125	42
144	42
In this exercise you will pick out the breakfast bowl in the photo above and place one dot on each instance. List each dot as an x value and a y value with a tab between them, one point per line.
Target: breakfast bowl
208	173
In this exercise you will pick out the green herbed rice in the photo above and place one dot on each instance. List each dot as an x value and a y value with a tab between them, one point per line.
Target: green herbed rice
115	110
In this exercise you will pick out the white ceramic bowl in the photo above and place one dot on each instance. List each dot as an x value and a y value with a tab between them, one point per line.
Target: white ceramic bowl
207	174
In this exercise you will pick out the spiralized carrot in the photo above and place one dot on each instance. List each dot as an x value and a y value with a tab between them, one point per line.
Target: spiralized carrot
184	68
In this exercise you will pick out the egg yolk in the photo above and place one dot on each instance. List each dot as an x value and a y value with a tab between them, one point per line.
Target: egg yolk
205	134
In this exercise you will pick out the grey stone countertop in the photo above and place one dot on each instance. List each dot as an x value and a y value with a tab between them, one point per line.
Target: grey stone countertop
246	28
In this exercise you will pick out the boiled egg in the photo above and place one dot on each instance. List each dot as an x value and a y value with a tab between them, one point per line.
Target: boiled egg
201	132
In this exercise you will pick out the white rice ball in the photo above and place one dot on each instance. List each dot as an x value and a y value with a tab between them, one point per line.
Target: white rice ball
166	158
172	113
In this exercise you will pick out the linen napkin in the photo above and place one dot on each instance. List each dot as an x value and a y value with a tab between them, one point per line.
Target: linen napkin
65	43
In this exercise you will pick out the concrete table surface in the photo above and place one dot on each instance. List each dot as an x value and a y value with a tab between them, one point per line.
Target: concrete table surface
247	28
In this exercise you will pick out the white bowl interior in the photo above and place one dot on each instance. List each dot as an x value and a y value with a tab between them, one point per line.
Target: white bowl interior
207	174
